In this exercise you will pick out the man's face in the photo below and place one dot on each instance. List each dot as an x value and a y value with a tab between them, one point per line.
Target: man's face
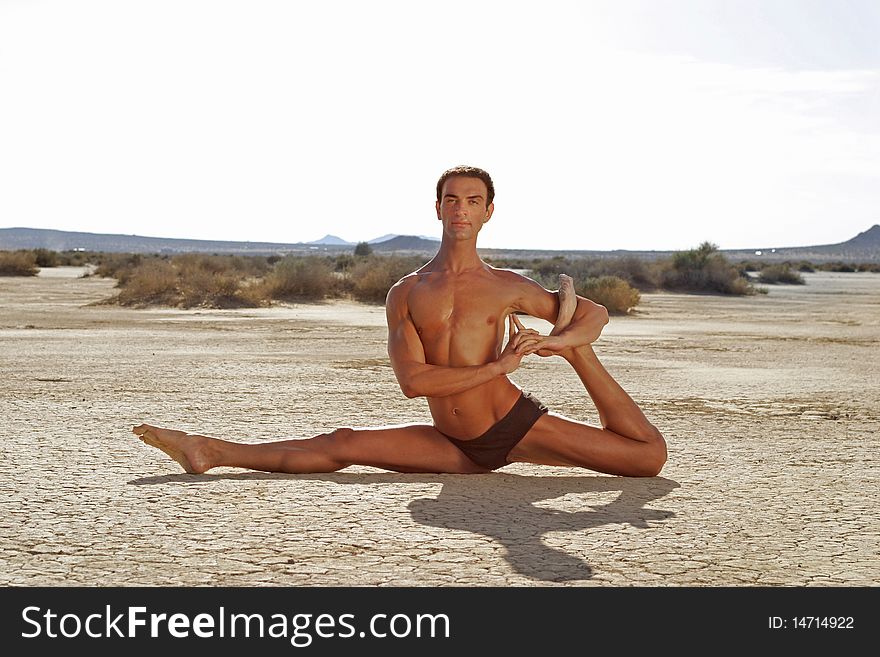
462	207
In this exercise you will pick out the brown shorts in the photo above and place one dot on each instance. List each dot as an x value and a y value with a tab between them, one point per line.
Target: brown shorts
491	449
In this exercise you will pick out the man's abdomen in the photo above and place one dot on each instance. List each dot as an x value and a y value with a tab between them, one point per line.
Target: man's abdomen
471	413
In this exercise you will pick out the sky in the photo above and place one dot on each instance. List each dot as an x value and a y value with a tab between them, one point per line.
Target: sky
624	124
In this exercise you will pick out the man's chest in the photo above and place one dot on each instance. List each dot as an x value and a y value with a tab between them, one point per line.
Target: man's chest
440	306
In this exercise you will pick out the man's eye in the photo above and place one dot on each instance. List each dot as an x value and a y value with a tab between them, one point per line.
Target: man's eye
473	201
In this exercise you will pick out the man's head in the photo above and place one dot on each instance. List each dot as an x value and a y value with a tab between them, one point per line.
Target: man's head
464	202
467	172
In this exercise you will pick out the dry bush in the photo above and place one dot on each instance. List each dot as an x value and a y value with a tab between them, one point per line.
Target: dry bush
618	296
18	263
372	277
46	258
638	272
298	278
150	283
119	265
837	266
209	289
773	274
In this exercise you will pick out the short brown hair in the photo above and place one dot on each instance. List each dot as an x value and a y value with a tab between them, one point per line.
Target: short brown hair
465	171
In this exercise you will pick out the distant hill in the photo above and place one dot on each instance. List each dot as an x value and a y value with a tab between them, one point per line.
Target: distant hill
391	236
384	238
331	240
407	243
864	247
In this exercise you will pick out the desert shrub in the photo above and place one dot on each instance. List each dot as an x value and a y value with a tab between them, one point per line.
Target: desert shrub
638	272
213	281
635	271
512	263
805	266
703	269
46	258
119	266
187	281
75	258
300	278
618	296
837	267
18	263
873	267
343	262
363	249
773	274
372	277
240	266
149	283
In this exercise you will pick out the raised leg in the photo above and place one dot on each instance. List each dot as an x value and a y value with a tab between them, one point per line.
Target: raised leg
626	443
405	448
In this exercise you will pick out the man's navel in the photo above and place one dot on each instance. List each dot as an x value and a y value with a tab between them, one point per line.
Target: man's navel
455	411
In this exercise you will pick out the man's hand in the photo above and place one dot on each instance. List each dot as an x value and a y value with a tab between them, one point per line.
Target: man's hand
519	344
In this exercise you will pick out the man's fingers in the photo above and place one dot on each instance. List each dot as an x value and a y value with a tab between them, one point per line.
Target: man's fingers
525	334
527	343
516	320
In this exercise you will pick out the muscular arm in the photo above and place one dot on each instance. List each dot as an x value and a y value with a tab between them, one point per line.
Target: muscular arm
416	377
586	324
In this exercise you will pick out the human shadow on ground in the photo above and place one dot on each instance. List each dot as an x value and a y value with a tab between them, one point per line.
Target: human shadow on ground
503	507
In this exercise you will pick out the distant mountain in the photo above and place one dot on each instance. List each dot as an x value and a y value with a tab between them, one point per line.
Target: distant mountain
870	239
391	236
864	247
331	240
404	243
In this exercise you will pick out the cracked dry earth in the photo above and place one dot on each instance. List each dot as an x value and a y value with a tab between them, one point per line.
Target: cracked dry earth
770	405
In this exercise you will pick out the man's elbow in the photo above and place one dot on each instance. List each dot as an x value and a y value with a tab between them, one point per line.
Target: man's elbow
409	390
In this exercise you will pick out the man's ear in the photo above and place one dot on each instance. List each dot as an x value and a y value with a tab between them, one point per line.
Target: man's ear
437	207
489	211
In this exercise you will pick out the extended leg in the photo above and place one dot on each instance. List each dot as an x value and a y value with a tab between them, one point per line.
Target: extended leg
407	448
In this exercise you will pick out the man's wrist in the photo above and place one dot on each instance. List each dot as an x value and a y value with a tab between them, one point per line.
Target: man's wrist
495	368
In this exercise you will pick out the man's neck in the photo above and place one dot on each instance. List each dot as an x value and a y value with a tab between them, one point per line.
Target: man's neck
457	256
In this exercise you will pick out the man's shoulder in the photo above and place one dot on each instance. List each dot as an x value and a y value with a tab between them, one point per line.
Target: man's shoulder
510	277
401	289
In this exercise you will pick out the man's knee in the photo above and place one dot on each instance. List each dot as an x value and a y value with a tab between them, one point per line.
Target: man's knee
341	437
655	454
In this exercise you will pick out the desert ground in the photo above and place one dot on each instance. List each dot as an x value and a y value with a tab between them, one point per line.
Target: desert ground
770	405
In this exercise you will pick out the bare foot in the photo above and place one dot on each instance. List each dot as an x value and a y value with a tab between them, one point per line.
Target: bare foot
567	303
189	450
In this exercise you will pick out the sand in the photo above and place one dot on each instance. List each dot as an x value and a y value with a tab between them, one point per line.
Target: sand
770	404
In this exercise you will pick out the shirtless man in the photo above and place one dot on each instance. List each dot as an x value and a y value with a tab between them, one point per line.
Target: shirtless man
446	326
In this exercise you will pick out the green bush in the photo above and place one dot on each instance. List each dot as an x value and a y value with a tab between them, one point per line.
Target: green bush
703	269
